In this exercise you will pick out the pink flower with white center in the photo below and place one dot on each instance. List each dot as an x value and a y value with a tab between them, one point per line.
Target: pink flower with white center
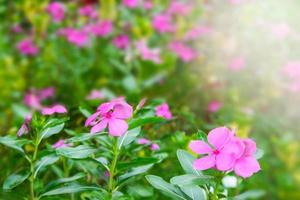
24	129
163	23
54	109
101	29
281	30
60	144
163	111
95	94
27	47
147	53
179	8
237	63
148	4
214	106
154	147
184	52
130	3
143	141
121	41
246	165
221	152
57	11
88	11
78	37
113	115
197	32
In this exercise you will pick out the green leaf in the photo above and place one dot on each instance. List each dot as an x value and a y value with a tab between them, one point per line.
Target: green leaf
194	192
78	152
137	162
128	137
69	189
167	188
64	180
45	161
191	179
14	180
84	111
140	191
145	120
14	143
135	171
83	137
251	194
47	132
186	161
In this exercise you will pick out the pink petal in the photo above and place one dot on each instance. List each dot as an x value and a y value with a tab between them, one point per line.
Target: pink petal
60	109
246	166
47	111
225	161
122	111
235	147
250	147
199	147
91	118
205	162
99	127
218	137
117	127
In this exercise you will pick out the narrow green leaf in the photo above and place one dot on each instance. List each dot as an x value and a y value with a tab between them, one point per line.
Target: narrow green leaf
45	161
14	180
135	171
69	189
146	120
186	161
78	152
194	192
47	132
191	179
64	180
14	143
128	137
251	194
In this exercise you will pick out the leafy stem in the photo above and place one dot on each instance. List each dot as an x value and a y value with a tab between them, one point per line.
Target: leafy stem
112	169
32	164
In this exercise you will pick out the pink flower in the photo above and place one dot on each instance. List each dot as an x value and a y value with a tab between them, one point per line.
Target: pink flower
147	53
197	32
60	144
154	147
24	129
179	8
163	23
95	94
32	100
130	3
112	115
57	11
281	30
121	41
148	4
54	109
163	111
27	47
217	153
143	141
184	52
16	28
292	70
106	174
88	11
214	106
78	37
236	64
101	29
46	93
246	165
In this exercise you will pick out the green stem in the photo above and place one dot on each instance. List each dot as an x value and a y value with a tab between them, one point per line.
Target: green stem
32	164
111	184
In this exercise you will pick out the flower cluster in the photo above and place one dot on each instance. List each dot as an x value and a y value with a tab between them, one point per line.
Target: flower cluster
226	152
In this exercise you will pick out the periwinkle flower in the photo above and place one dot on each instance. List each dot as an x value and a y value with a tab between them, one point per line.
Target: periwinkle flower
57	11
24	129
163	111
27	47
60	144
54	109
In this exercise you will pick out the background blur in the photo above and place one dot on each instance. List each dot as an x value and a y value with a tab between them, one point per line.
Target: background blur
237	64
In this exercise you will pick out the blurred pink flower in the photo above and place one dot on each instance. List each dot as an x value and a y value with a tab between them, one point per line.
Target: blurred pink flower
237	63
163	111
121	41
102	28
88	11
27	47
130	3
292	69
179	8
281	30
214	106
246	165
60	144
112	115
54	109
197	32
147	53
16	28
24	129
143	141
154	147
217	151
95	94
184	52
32	100
163	23
148	4
46	93
57	11
78	37
106	174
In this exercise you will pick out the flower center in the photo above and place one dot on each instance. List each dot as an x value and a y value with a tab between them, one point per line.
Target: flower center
108	115
216	152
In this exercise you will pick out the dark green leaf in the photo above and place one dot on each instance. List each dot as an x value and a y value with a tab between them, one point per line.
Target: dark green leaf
14	180
78	152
